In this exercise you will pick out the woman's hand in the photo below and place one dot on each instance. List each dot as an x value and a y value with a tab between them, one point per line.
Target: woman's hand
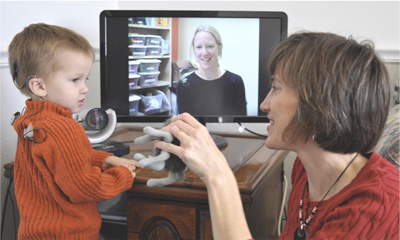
197	150
113	161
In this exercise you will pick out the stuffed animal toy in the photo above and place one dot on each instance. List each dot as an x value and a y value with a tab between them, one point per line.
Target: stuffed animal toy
162	160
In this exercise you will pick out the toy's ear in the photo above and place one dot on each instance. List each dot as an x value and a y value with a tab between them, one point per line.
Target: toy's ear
167	137
152	134
142	140
138	157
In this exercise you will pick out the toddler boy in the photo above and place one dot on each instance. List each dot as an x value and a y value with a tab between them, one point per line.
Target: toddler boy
59	178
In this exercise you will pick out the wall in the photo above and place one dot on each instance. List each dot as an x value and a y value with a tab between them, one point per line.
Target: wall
378	21
368	19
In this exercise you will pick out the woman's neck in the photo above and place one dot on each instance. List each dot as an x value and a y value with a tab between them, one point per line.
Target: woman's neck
210	74
323	169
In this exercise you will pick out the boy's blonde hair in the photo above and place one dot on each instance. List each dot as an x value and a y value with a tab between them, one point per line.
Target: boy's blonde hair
37	50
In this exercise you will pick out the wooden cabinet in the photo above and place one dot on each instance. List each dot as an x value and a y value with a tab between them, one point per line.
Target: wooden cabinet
161	219
181	211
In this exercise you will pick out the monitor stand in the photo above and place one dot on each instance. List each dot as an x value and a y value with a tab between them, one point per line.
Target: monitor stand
219	141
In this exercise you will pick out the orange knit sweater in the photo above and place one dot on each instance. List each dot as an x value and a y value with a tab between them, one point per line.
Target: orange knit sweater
58	182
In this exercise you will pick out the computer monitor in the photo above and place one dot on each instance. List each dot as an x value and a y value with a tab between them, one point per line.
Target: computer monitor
144	54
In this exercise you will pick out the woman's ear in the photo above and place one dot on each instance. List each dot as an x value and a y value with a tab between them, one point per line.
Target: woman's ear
36	86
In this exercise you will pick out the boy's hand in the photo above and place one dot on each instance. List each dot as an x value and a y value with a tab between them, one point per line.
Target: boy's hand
113	161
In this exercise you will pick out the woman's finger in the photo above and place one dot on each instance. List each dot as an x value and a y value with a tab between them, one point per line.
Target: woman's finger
168	147
179	129
188	119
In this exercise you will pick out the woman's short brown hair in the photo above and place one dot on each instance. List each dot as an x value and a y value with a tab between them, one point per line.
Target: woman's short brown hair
343	89
36	51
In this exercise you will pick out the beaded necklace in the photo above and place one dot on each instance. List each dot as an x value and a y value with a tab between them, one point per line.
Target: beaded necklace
301	232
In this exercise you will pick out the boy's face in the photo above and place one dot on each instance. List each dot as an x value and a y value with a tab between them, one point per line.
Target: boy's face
67	87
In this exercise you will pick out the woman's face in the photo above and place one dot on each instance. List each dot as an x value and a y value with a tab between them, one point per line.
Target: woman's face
281	105
206	50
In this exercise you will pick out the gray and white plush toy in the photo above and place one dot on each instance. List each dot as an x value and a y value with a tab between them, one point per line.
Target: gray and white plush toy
162	160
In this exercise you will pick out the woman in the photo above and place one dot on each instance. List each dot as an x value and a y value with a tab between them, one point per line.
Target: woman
210	90
328	103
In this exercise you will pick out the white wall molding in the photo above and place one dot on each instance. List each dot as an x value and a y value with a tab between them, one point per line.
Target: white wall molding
390	56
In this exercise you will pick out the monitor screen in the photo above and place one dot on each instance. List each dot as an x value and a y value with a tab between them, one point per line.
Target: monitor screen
150	69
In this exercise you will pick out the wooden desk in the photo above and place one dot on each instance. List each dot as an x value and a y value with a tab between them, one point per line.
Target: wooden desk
180	211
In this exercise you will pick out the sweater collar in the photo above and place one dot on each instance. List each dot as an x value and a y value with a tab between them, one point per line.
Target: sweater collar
36	108
33	107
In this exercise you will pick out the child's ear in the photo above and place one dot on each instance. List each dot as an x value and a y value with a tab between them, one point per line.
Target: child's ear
36	86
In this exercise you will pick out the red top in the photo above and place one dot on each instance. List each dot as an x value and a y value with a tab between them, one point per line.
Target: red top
58	182
367	208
